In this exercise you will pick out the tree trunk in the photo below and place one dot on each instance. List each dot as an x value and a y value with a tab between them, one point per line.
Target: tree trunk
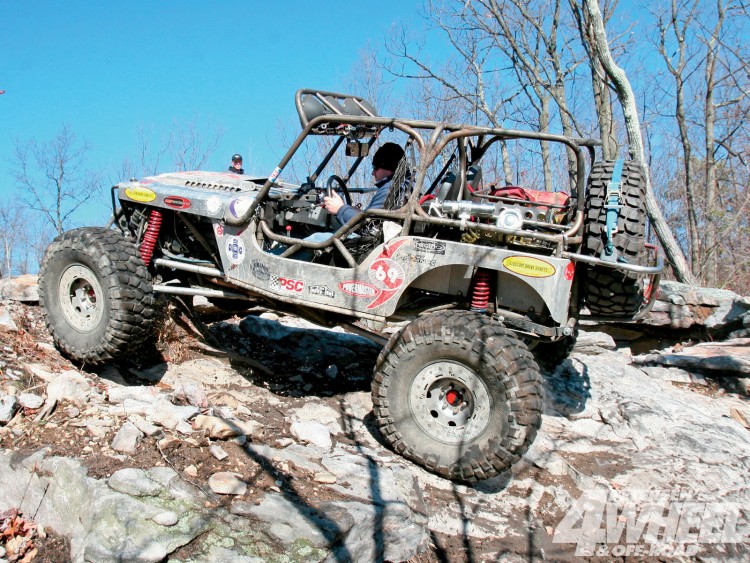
710	254
632	124
546	157
678	71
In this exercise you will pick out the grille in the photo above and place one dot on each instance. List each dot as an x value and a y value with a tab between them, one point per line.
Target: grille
212	186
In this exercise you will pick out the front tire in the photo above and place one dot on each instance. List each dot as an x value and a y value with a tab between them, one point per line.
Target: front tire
96	295
458	395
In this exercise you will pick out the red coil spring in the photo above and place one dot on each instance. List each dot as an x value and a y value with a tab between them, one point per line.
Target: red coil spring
150	236
480	292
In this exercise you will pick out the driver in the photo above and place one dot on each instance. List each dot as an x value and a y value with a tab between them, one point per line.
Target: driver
384	164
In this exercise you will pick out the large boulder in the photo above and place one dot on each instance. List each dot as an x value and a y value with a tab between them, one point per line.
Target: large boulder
22	288
682	306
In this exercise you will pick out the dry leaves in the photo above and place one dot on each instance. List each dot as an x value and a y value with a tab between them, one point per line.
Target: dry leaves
17	536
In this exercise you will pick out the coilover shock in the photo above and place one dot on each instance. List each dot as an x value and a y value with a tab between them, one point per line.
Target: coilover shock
151	236
480	290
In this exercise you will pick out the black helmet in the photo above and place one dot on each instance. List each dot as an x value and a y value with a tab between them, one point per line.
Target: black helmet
388	156
237	158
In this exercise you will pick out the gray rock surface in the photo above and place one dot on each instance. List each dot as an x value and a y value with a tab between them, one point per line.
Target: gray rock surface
608	425
134	482
21	288
8	407
313	433
127	438
594	342
30	400
681	306
226	483
7	324
69	386
731	356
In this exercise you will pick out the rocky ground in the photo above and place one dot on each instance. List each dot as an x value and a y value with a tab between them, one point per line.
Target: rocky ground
250	438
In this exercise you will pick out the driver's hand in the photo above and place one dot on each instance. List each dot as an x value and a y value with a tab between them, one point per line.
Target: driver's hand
333	203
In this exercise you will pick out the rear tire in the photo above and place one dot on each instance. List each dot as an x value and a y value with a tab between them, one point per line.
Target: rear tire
458	395
610	292
96	295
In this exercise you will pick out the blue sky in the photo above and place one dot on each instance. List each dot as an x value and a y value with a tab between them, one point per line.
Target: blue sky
108	68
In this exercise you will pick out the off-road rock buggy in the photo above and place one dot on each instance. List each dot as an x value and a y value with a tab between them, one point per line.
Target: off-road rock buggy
473	273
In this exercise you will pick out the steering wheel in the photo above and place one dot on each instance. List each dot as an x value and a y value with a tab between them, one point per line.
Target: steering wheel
337	179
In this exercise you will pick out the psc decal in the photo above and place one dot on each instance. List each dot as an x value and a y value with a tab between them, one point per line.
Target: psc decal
358	289
322	290
177	202
235	250
286	284
140	194
528	266
238	207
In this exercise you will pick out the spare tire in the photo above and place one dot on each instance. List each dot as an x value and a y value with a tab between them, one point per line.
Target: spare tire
609	292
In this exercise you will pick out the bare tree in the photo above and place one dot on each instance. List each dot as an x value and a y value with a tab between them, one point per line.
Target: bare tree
677	22
599	84
702	49
186	146
191	148
54	177
600	48
12	232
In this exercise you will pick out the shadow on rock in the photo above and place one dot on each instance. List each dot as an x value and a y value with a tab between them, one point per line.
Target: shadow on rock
146	366
567	388
293	361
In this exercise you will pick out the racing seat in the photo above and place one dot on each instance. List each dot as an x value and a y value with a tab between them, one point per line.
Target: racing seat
450	188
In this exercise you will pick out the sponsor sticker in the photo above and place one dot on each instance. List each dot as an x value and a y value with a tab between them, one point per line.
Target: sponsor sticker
429	246
213	205
570	271
140	194
416	259
238	207
286	284
219	229
528	266
177	202
321	290
275	174
358	289
260	270
235	250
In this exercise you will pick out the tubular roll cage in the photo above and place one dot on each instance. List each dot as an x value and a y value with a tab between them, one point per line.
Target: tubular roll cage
333	120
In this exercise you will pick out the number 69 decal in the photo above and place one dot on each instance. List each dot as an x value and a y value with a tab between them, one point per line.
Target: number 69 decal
386	274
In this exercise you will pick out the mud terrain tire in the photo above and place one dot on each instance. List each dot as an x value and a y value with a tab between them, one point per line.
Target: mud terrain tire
457	395
610	292
96	295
